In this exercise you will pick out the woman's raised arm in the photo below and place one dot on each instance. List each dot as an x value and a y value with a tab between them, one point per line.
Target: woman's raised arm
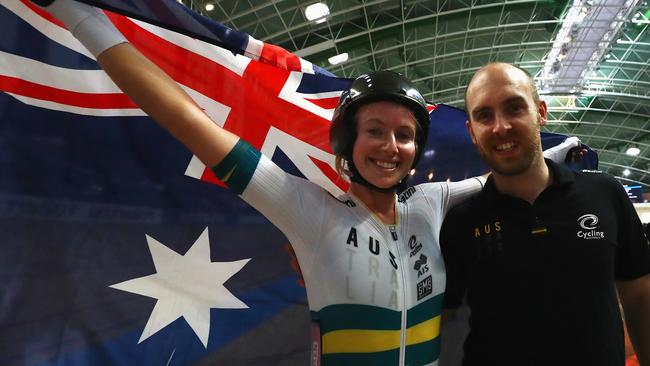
162	99
147	85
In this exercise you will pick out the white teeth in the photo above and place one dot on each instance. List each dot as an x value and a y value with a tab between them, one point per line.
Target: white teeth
385	164
506	146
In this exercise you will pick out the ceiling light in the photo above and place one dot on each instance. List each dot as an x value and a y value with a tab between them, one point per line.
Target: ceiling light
412	172
633	151
430	176
317	12
579	46
626	172
209	7
335	60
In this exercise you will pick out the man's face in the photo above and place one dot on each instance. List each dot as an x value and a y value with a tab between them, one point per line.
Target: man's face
504	120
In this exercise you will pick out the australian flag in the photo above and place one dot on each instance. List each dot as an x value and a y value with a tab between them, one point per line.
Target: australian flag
116	248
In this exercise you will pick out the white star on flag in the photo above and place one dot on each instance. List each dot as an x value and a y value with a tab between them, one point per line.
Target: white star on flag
185	285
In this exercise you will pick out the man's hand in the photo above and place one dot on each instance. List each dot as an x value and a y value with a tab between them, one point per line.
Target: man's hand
561	152
576	154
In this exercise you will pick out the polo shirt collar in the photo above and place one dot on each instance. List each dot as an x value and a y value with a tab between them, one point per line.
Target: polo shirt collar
561	174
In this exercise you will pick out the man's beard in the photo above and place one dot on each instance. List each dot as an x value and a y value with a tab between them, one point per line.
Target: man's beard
515	165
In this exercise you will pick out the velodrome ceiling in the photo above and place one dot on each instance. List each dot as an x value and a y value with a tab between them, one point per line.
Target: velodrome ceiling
593	66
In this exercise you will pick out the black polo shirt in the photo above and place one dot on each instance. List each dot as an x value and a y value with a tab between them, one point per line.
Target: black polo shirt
540	279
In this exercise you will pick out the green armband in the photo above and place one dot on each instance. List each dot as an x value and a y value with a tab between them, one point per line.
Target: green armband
237	168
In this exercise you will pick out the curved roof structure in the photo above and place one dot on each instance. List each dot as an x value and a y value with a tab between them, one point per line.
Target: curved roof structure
590	58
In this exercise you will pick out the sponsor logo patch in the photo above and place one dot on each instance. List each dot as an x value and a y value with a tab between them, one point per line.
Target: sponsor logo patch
425	287
406	195
421	265
589	225
414	246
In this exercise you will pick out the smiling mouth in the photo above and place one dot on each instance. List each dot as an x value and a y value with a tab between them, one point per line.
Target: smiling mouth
384	164
505	147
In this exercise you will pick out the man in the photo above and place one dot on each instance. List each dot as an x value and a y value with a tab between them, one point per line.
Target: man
542	251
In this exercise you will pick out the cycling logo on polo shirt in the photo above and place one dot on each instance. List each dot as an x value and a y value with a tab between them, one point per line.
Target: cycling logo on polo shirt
589	224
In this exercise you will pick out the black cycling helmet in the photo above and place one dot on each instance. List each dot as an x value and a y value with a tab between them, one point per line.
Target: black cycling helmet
375	87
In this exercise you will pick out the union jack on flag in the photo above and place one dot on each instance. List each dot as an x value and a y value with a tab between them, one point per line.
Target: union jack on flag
288	103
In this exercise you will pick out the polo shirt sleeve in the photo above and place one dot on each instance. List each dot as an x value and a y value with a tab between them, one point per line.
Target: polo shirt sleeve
632	251
454	252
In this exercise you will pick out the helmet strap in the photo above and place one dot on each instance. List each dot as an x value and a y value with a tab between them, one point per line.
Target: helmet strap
358	178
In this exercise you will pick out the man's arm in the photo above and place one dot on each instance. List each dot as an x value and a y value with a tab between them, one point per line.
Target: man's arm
635	298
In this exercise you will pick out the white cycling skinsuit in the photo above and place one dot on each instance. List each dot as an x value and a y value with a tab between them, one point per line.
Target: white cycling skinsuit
374	290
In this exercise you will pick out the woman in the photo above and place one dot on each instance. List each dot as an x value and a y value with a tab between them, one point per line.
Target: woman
370	259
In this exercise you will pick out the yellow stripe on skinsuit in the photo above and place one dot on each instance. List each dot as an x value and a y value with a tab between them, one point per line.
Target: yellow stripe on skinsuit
423	332
367	341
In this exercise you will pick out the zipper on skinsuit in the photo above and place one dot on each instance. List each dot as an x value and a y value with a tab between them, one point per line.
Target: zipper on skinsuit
402	346
393	232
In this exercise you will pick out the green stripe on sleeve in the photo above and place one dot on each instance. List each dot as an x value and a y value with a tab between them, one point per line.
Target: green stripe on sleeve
238	167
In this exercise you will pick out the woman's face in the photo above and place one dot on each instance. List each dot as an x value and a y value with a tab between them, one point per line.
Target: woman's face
385	146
